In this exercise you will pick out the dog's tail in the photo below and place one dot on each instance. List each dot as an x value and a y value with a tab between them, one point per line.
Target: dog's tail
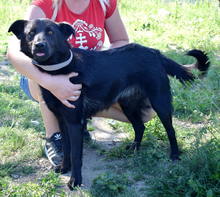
182	72
202	63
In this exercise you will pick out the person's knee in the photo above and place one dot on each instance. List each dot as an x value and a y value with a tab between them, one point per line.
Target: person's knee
148	115
34	90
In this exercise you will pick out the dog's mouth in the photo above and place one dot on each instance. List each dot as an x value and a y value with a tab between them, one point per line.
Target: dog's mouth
40	51
40	54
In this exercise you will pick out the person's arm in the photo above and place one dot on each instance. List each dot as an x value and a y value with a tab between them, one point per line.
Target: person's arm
116	31
59	85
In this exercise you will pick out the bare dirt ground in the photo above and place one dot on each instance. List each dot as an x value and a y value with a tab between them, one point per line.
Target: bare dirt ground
93	163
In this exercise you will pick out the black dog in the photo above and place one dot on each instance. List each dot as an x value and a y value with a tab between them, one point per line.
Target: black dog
131	75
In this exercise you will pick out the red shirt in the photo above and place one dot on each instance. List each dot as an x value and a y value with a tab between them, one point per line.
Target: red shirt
89	25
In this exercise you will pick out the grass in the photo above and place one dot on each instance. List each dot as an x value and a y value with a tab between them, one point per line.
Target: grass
9	12
113	184
44	187
174	27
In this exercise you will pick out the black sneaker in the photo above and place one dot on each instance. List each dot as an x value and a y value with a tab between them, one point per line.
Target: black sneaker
53	149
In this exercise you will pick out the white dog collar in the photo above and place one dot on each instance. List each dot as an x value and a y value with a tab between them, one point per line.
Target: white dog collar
54	66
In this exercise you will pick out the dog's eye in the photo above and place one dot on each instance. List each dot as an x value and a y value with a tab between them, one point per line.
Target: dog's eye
31	33
50	32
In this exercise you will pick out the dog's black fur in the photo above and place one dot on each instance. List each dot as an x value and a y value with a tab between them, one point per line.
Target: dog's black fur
132	75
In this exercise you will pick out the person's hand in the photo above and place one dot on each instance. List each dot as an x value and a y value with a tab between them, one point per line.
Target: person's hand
61	87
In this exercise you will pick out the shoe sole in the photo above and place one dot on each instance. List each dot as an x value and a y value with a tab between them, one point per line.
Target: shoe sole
46	152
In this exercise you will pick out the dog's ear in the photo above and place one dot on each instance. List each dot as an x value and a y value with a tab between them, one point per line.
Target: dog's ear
66	30
18	28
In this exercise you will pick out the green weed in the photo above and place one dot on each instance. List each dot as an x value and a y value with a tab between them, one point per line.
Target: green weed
46	186
196	175
110	184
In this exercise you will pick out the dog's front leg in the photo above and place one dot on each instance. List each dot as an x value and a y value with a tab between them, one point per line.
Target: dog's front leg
76	144
65	165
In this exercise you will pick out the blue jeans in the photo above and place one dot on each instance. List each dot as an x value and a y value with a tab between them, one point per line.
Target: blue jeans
25	87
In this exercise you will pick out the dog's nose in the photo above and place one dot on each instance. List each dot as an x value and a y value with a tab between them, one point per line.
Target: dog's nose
40	45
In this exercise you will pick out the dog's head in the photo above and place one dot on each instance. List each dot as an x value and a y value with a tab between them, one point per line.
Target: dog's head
40	38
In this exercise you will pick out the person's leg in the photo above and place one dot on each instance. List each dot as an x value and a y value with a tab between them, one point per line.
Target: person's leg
53	145
32	90
50	121
115	112
148	114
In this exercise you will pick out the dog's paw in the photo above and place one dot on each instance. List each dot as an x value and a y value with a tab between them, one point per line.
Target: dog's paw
60	169
72	184
175	158
134	146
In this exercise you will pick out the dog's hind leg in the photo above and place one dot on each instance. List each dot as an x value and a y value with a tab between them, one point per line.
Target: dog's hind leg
134	115
163	107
